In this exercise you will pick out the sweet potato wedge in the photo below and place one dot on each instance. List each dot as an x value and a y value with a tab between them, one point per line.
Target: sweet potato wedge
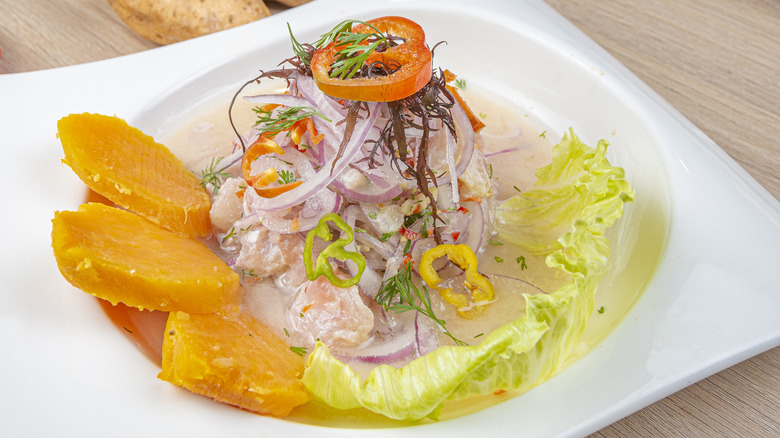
234	360
121	257
135	172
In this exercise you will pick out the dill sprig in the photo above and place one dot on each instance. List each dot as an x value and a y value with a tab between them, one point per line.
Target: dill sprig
300	351
299	49
358	47
284	119
213	175
399	294
286	177
354	48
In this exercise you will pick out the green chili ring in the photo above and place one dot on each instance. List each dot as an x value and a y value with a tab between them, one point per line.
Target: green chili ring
335	250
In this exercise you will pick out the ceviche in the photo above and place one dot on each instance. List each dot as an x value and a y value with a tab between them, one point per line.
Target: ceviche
353	244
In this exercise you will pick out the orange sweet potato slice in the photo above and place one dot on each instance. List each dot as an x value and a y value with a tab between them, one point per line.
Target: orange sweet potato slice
237	361
121	257
132	170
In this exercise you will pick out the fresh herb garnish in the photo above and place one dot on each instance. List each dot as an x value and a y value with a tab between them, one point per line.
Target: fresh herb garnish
248	273
300	351
407	247
460	83
521	260
229	234
214	176
354	48
286	177
399	294
270	123
299	49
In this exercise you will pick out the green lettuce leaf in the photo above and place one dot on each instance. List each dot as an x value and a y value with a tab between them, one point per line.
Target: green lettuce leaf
564	216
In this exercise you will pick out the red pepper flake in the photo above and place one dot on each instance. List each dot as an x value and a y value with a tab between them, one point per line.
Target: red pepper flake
409	234
455	235
499	391
463	210
408	260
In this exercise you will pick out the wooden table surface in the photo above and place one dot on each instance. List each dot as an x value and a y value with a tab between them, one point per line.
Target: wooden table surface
717	61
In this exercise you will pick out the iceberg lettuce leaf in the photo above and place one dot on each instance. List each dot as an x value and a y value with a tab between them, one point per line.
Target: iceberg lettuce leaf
578	185
576	197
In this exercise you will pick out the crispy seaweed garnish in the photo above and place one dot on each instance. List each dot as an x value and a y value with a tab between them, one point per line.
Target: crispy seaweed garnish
418	111
353	113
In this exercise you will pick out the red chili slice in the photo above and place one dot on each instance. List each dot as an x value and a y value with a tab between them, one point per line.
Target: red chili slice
412	55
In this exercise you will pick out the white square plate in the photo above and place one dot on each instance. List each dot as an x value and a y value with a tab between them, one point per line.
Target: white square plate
702	239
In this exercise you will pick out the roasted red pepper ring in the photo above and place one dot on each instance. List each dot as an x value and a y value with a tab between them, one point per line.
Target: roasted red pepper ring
262	146
412	55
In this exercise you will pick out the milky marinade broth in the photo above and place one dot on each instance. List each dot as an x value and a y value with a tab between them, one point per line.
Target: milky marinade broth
208	134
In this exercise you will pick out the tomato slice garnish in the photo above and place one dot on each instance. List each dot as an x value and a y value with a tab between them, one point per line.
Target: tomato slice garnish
412	55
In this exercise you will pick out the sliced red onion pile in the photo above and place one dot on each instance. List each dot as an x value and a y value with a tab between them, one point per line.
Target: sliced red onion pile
370	195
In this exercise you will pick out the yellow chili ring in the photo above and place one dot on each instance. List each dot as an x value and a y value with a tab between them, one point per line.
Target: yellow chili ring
480	287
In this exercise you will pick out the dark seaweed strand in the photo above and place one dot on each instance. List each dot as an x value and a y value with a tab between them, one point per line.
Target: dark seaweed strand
353	113
302	65
424	174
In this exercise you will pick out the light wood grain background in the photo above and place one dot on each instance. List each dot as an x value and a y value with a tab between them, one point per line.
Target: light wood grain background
717	61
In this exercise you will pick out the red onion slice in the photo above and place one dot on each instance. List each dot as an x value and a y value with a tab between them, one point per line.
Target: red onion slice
394	341
476	233
367	192
326	104
426	335
325	127
328	171
324	201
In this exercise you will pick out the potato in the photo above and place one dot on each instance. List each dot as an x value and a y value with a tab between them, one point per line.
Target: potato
170	21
